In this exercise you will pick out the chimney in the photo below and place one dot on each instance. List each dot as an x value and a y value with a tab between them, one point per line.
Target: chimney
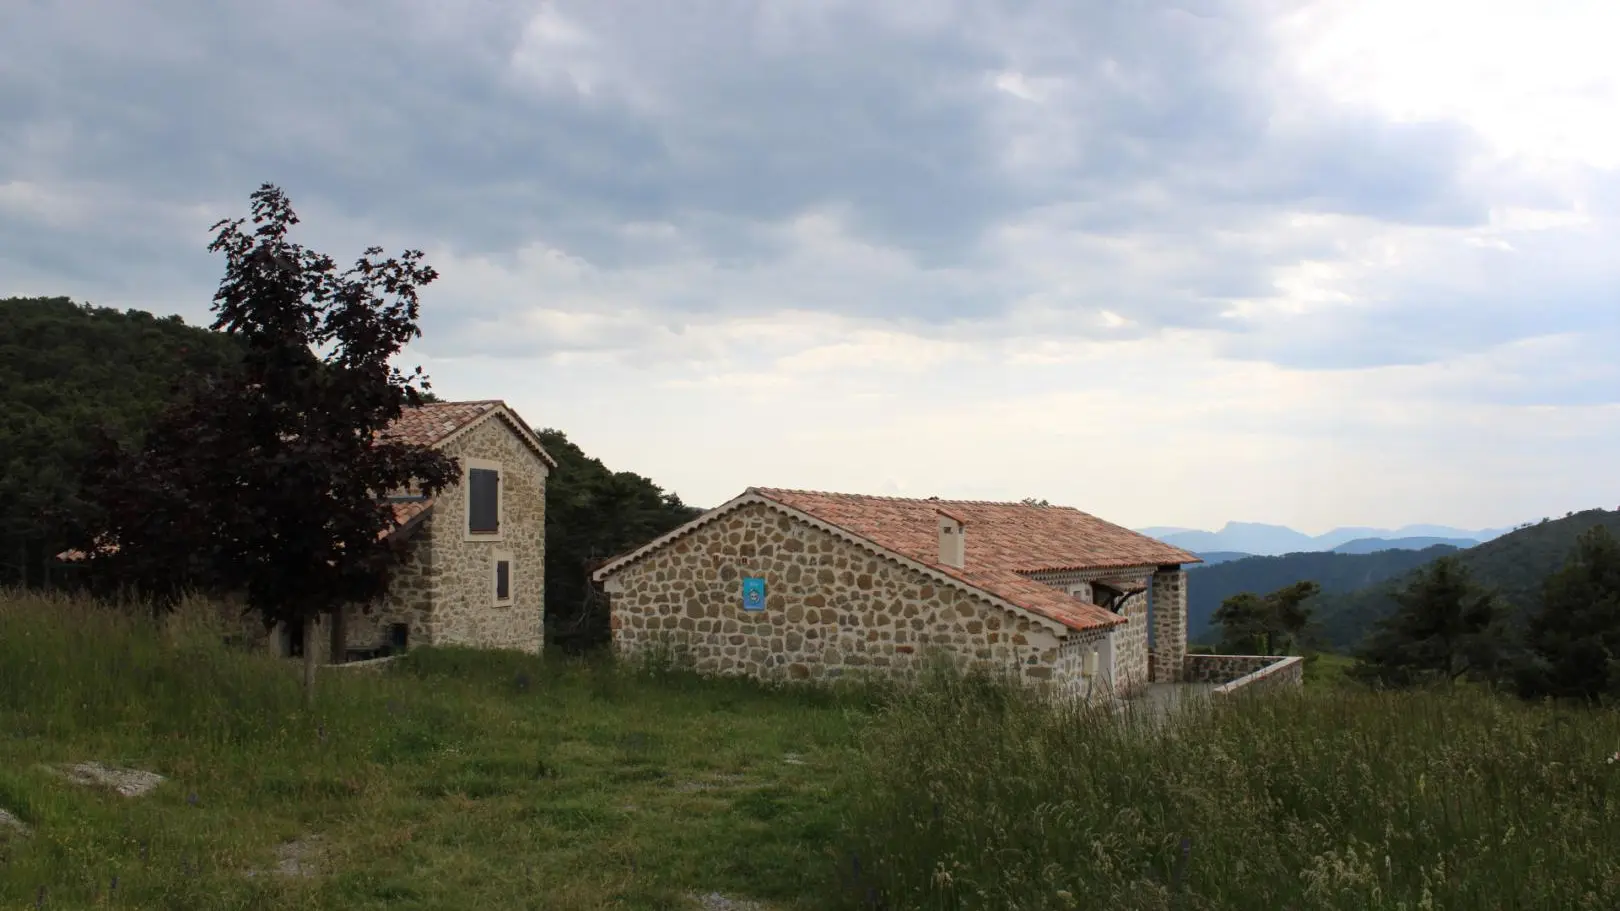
952	541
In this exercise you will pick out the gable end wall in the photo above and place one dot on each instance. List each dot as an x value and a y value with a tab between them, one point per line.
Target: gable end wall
831	607
446	592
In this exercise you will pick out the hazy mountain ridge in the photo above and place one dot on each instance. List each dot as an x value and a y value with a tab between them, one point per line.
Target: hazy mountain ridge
1374	545
1262	539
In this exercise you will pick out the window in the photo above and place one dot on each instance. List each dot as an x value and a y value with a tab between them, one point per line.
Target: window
502	566
484	506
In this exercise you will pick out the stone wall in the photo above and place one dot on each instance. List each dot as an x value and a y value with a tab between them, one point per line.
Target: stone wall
1130	646
445	593
1222	668
1069	679
409	599
462	572
1168	591
1280	674
831	606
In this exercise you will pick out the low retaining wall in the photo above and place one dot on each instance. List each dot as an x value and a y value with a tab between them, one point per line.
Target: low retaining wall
367	664
1234	672
1282	673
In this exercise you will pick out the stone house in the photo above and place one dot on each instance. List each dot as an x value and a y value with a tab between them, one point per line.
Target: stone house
475	573
476	569
806	585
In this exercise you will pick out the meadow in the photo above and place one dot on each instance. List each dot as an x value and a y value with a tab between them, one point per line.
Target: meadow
460	779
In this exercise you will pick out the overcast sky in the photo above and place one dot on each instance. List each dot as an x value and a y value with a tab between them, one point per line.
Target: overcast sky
1336	263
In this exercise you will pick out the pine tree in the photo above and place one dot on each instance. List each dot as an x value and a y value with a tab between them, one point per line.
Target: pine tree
1575	639
1265	625
1444	629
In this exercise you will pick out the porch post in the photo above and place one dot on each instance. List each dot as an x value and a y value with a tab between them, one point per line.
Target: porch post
1169	594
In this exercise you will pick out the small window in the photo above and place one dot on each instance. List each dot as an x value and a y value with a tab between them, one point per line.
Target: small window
483	499
503	579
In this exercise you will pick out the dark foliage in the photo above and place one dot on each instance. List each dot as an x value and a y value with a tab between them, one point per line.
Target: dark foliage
1574	640
267	479
1444	629
593	514
1208	586
68	369
1271	624
1515	566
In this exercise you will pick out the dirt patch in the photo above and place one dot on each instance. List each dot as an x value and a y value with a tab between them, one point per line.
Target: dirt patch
128	782
297	858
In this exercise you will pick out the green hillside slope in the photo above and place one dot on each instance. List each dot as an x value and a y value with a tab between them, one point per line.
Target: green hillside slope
1514	564
1207	586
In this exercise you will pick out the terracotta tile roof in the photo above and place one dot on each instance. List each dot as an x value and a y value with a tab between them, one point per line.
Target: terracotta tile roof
409	513
434	421
1011	536
1004	542
1039	598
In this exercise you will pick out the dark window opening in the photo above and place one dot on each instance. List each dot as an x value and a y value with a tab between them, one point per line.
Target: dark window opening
503	580
399	635
483	501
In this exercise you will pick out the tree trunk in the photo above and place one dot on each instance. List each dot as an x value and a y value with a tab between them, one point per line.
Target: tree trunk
340	639
309	661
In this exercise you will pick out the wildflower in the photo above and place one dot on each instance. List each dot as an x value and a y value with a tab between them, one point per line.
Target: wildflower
1615	758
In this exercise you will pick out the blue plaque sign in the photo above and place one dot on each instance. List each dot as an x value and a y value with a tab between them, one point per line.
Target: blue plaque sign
753	593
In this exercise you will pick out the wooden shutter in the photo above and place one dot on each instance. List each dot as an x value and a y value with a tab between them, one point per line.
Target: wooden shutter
483	501
503	580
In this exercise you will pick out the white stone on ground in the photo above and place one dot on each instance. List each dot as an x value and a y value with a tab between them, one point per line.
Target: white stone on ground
12	823
714	901
128	782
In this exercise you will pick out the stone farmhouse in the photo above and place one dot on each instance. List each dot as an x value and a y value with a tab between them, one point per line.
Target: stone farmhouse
475	573
806	585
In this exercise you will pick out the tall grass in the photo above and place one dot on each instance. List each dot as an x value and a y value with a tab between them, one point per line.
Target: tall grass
972	794
456	778
451	778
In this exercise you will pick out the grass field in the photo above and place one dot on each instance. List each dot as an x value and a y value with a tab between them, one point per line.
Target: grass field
458	779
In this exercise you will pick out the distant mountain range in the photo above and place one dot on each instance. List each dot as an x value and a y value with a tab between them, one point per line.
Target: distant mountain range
1357	586
1260	539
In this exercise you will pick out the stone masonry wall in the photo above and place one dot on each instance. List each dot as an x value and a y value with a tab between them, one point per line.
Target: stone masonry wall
1168	589
462	572
1280	674
830	606
409	599
1131	648
1222	668
1069	675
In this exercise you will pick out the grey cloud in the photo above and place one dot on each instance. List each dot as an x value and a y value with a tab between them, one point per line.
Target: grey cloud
722	119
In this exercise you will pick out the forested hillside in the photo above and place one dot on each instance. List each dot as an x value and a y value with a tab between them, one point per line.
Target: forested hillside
1514	565
1208	586
67	369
